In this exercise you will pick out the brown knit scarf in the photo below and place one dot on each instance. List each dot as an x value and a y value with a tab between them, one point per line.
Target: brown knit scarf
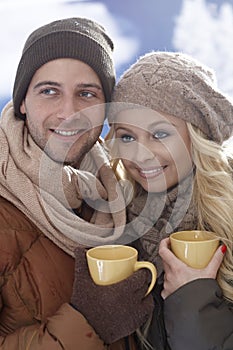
153	217
46	191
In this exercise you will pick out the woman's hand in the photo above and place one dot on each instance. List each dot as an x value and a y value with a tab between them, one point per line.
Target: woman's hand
177	273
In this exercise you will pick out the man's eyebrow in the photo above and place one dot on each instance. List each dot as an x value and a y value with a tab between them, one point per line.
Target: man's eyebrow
89	85
81	85
46	82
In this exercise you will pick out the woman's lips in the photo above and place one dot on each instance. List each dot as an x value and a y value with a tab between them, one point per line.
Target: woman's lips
152	172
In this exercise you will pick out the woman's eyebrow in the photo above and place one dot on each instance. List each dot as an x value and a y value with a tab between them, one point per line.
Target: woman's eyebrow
167	122
125	128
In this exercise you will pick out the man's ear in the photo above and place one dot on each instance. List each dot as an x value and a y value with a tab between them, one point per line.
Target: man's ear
22	108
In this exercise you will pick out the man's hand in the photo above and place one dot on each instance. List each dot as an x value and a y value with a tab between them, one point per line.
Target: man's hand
116	310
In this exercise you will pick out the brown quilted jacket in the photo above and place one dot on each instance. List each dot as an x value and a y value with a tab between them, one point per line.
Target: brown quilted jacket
36	279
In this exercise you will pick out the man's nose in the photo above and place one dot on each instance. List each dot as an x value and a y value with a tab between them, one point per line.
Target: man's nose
69	108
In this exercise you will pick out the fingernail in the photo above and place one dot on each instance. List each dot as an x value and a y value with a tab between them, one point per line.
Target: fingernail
224	248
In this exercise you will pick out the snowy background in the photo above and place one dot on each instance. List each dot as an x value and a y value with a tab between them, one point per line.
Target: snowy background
202	28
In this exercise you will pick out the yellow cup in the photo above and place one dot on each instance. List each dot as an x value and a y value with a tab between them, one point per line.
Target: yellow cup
194	248
110	264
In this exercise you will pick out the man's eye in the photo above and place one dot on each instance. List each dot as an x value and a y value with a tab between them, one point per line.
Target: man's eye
48	91
160	135
87	94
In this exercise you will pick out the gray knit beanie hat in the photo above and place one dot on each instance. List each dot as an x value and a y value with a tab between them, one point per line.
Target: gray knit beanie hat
176	84
77	38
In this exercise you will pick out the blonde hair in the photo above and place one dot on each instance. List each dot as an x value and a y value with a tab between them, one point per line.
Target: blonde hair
213	196
212	193
115	162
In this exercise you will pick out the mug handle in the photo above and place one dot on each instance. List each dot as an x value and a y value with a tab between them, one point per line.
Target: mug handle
148	265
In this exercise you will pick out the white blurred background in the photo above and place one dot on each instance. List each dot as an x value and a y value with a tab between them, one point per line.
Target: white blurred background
202	28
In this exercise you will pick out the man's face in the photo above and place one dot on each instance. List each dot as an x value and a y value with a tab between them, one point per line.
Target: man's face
64	108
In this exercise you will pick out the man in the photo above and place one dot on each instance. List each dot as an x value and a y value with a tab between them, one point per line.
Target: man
64	78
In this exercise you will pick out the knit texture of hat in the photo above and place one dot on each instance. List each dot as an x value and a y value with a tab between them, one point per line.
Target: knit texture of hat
77	38
176	84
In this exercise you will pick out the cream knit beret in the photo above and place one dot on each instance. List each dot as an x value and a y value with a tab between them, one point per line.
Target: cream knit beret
176	84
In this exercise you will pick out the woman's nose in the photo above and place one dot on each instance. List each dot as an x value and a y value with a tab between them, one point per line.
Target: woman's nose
142	152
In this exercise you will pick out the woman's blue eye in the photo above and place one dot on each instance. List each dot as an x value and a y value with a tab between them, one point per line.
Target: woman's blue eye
127	138
160	135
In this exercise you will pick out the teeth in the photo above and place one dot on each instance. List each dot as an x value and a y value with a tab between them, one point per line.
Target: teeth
66	133
152	171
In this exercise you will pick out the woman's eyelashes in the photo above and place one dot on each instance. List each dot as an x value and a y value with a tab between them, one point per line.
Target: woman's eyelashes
158	135
126	138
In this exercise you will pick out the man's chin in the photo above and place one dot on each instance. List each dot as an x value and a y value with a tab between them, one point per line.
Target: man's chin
66	159
73	157
71	154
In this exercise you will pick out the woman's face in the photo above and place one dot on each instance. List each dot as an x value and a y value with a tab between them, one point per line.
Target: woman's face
154	148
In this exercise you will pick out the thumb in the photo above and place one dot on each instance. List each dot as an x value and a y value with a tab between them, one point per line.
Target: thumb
80	259
217	259
166	254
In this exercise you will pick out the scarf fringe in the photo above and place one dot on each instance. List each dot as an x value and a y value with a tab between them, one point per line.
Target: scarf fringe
45	191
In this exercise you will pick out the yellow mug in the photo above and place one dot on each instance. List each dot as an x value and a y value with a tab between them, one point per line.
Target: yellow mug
110	264
195	248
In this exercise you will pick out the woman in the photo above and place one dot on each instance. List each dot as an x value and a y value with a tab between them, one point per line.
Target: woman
168	123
